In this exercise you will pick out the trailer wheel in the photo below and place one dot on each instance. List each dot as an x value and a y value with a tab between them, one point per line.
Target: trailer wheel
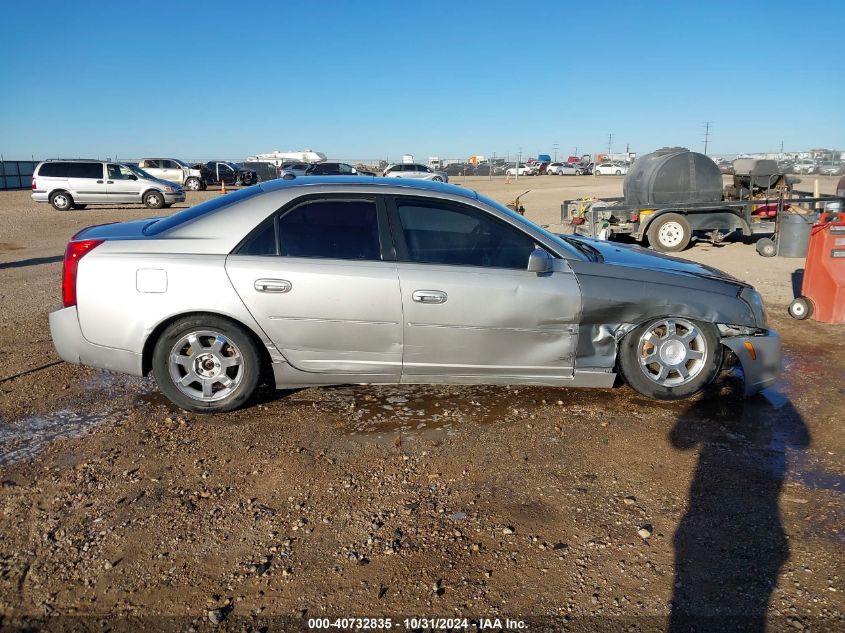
669	233
801	308
766	247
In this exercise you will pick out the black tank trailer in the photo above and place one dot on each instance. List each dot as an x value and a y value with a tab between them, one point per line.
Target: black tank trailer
672	193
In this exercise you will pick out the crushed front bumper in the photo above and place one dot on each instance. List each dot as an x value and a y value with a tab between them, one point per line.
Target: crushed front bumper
759	357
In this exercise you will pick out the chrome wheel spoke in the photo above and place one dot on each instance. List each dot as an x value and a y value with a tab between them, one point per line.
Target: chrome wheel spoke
187	379
671	329
207	388
691	334
181	360
694	354
682	370
663	373
217	345
230	361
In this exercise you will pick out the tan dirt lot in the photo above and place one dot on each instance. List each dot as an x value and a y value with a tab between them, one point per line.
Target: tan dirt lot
595	507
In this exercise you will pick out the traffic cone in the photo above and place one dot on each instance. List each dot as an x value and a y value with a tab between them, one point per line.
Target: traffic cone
222	186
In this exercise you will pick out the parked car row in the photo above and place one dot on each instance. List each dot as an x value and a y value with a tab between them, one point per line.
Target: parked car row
321	169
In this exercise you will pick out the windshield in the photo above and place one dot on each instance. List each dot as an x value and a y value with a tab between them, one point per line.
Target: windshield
140	172
233	166
181	163
565	245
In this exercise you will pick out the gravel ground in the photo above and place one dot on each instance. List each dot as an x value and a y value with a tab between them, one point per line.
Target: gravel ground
592	509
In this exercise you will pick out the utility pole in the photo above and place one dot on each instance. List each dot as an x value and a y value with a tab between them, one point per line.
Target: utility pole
706	136
555	147
609	142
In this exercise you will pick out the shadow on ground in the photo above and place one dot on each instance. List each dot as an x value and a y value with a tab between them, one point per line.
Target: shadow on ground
730	544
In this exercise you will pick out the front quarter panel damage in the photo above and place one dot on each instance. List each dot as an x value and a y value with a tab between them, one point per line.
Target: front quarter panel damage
616	299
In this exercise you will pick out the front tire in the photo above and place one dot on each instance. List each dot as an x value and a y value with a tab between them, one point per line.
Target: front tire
154	200
669	233
670	358
61	201
206	364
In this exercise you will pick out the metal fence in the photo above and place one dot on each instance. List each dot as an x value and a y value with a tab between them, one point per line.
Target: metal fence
16	174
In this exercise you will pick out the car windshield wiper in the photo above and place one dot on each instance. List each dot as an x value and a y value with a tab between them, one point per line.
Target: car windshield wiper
592	253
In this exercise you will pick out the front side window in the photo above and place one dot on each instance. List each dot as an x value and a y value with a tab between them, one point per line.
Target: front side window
121	172
223	167
333	229
452	234
343	168
169	164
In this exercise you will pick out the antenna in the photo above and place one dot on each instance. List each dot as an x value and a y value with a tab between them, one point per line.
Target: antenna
706	135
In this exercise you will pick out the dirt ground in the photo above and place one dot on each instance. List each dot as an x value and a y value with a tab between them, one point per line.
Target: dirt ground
579	509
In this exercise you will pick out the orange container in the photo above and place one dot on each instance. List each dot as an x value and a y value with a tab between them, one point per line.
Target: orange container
823	287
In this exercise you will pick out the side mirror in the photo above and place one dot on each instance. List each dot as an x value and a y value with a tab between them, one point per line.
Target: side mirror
539	261
133	177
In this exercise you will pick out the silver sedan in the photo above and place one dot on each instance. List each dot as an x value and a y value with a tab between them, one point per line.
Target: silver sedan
318	281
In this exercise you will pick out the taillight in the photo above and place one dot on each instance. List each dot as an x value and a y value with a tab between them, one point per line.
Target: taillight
73	253
33	183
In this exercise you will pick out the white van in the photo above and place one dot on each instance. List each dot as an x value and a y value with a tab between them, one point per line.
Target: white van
74	184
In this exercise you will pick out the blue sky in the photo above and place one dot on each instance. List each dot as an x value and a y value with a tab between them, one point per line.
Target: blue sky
450	79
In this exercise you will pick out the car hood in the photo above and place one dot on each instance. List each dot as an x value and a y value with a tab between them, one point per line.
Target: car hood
629	256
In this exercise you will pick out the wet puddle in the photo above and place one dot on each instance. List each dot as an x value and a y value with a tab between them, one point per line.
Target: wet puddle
399	413
24	438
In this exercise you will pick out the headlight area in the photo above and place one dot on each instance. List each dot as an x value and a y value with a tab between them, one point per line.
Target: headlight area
754	301
740	330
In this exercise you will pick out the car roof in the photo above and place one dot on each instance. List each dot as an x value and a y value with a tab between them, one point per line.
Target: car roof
413	184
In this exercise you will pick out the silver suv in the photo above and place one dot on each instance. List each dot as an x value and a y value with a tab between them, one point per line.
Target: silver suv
414	170
74	184
174	170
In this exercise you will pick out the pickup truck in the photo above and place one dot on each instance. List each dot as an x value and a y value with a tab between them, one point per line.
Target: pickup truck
174	170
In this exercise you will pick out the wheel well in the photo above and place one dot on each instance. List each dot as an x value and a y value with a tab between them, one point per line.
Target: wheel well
146	191
55	191
152	339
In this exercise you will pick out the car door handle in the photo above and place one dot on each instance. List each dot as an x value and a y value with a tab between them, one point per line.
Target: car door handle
110	182
273	285
99	182
429	296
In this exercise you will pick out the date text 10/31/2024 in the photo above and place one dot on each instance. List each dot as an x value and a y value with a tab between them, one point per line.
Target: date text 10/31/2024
416	623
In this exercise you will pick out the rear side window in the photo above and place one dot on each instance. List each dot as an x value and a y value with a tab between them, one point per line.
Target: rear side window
333	229
85	170
53	170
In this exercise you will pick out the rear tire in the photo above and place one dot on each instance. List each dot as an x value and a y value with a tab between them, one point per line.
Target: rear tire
206	364
193	184
670	358
61	201
154	200
437	179
669	233
801	308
